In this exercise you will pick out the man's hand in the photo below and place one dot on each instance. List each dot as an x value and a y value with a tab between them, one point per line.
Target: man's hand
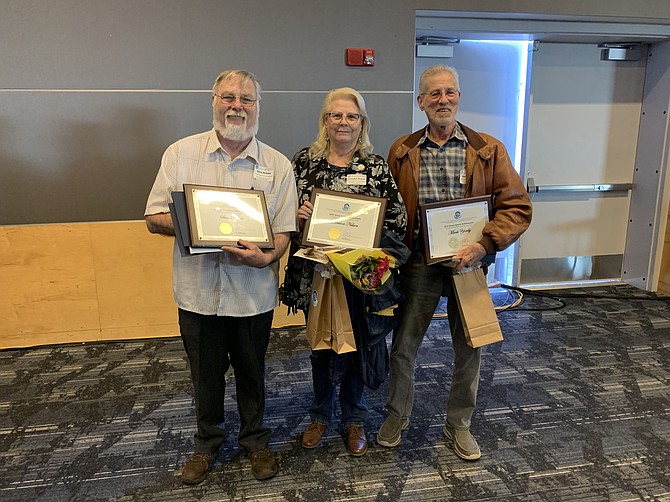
250	254
470	255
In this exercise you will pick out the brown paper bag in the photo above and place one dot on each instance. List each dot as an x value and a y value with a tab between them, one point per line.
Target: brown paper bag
480	321
319	315
342	330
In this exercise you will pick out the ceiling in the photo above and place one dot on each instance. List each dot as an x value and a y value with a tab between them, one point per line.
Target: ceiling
477	26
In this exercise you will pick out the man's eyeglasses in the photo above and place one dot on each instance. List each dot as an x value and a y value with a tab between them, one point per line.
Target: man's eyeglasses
437	94
351	118
229	99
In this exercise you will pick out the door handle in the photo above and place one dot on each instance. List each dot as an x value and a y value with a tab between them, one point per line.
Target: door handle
532	188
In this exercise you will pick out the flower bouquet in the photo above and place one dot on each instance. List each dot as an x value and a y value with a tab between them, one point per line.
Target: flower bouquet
367	269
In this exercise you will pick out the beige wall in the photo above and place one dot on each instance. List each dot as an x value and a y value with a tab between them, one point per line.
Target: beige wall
87	282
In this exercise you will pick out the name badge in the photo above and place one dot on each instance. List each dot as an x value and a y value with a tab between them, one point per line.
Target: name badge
462	177
262	173
357	179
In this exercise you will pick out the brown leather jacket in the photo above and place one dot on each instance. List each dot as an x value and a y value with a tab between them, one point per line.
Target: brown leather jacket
488	170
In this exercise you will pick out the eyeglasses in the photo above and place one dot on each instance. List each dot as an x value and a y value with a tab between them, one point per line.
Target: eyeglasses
437	94
229	99
351	118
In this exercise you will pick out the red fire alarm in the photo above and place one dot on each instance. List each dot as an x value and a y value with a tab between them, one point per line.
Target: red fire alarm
360	57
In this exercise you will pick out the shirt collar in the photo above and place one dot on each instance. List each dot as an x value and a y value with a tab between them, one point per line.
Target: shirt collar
456	133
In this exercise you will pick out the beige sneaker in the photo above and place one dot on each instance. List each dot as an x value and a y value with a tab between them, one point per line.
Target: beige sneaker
465	445
389	432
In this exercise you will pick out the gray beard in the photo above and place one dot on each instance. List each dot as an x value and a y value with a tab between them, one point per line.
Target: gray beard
235	132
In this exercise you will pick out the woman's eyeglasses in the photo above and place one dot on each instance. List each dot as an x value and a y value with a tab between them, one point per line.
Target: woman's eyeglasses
351	118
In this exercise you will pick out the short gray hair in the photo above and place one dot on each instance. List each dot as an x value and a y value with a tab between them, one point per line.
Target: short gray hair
245	76
434	70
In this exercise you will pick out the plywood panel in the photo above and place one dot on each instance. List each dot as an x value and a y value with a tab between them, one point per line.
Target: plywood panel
89	282
133	270
47	282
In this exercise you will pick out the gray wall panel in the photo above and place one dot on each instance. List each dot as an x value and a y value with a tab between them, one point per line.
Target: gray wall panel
179	44
82	133
86	156
92	156
68	157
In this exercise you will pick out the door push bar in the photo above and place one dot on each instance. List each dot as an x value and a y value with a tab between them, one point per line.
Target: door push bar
532	188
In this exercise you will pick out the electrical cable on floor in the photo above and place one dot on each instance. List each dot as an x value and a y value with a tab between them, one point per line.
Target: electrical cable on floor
559	299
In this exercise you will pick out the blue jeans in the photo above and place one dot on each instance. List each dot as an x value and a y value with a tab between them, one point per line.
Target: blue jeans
213	344
423	286
328	369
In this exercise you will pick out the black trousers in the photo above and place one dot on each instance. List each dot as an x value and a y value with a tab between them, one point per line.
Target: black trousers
213	344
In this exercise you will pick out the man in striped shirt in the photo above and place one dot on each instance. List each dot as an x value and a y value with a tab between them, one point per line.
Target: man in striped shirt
226	299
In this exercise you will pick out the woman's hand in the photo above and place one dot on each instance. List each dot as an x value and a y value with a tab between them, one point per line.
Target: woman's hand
304	213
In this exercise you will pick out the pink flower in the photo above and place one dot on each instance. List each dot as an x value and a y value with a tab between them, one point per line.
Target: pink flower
368	271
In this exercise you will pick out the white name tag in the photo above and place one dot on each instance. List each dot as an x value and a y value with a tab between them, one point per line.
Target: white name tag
357	179
262	173
462	177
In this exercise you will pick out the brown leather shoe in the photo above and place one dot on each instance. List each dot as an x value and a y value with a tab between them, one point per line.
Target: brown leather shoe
196	468
311	438
263	464
357	443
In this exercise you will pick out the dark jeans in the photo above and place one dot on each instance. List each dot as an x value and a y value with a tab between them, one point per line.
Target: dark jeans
328	370
423	286
213	344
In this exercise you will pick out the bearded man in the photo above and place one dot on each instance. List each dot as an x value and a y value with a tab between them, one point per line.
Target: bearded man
226	299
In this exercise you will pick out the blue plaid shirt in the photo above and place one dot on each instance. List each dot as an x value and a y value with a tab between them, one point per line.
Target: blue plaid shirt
441	170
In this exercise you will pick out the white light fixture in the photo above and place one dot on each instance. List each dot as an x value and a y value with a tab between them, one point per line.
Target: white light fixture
434	51
435	47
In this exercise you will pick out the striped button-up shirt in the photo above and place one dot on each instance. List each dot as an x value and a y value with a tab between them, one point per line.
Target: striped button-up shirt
217	283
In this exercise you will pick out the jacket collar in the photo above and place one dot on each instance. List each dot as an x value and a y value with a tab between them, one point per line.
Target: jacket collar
475	140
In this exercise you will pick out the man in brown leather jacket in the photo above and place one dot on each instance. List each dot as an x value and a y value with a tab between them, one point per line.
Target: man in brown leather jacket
444	161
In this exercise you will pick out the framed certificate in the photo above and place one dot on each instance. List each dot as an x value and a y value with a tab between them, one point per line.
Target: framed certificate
220	216
345	220
449	225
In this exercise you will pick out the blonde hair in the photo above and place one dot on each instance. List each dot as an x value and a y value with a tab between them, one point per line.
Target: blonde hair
320	146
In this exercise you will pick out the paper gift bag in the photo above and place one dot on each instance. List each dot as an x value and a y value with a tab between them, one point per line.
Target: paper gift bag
480	321
342	330
319	315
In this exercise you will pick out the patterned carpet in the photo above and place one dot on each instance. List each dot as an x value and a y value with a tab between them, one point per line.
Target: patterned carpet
574	406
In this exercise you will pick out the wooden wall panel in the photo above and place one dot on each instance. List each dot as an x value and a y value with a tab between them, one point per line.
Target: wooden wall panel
47	283
88	282
133	275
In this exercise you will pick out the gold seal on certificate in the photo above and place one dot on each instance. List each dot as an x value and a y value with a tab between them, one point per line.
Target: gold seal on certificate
219	216
346	220
449	225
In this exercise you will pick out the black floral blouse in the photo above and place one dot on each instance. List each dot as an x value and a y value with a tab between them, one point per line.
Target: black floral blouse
318	173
